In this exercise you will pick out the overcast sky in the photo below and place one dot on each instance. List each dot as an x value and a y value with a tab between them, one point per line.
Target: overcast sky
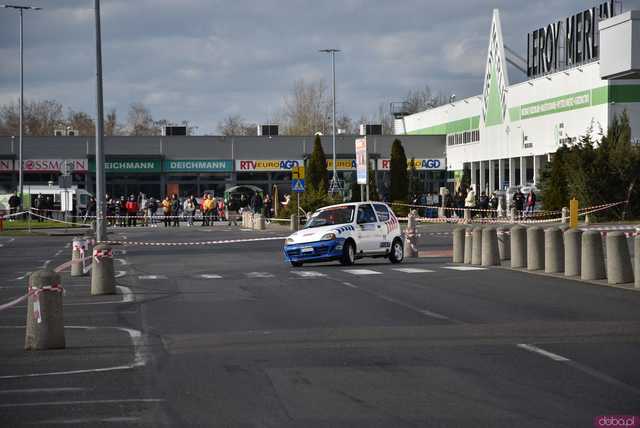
202	60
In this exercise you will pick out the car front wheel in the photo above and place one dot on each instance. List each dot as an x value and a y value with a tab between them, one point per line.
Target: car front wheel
348	254
397	252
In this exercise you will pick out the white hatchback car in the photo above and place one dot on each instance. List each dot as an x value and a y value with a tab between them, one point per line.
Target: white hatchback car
347	232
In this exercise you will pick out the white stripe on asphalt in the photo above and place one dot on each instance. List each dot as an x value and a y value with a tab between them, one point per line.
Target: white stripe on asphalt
115	419
123	261
210	276
40	390
531	348
464	268
308	273
72	403
362	272
120	273
127	295
259	275
413	270
144	277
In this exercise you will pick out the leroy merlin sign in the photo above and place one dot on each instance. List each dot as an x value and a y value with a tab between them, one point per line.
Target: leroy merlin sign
129	165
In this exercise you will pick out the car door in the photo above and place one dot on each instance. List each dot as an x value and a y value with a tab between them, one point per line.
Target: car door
367	229
387	226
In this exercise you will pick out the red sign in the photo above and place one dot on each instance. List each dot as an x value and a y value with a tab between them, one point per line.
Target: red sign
49	165
6	165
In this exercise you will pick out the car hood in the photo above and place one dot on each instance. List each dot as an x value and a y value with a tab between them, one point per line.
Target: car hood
315	233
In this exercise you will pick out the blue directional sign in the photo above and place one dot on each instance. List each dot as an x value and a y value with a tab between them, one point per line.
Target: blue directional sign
297	185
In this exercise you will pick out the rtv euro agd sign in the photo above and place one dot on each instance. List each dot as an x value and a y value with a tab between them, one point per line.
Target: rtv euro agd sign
420	164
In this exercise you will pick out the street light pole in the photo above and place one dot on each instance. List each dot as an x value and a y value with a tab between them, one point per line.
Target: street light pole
100	175
333	187
21	9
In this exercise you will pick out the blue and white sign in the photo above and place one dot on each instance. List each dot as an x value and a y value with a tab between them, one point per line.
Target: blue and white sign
361	161
297	185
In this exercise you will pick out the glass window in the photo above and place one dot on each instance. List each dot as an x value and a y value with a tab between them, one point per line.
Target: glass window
331	216
366	214
382	211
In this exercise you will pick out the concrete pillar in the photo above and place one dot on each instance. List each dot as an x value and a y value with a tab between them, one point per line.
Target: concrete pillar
492	176
636	257
458	245
467	215
476	253
572	252
619	268
512	171
592	257
504	243
537	162
565	215
490	256
553	250
410	241
78	253
535	248
500	174
45	317
518	247
258	222
102	275
474	183
294	223
468	245
523	170
483	181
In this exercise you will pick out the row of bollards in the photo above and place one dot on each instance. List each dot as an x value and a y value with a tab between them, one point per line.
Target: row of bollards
45	315
571	252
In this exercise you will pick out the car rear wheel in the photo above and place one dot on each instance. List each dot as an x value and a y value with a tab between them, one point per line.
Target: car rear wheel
296	264
397	251
348	254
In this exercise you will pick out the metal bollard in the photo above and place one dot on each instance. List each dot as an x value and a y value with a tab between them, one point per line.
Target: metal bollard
535	248
518	247
467	215
619	268
553	250
258	222
476	252
102	276
410	241
513	214
78	252
294	223
591	256
572	252
565	215
504	243
458	245
468	245
636	256
45	317
490	255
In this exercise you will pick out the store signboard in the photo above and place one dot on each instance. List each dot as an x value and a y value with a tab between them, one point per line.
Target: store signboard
6	165
197	165
420	164
255	165
129	165
361	160
342	164
54	165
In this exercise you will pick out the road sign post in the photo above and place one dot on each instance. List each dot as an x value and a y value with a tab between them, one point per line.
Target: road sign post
297	182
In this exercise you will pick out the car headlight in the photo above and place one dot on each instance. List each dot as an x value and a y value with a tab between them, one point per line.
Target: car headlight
290	241
328	237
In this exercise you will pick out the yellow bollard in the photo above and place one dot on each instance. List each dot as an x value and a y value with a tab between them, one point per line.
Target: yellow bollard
573	213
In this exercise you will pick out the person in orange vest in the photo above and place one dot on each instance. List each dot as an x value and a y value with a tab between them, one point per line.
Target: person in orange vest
203	209
132	211
221	213
166	210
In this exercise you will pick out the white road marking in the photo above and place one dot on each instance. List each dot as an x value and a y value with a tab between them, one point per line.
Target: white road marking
127	295
120	273
44	265
67	245
210	276
308	273
413	270
123	261
144	277
362	272
464	268
40	390
531	348
58	253
140	356
259	275
115	419
75	402
23	276
348	284
121	252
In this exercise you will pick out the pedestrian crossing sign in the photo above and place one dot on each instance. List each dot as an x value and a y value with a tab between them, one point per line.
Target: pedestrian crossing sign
297	185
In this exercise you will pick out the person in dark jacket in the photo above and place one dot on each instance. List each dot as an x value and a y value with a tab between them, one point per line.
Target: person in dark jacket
14	204
132	208
518	202
531	202
39	205
175	209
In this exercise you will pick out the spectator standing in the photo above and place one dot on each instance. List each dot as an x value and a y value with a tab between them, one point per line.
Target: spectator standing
132	211
483	204
267	207
232	211
14	203
175	210
189	209
470	200
518	202
493	204
203	209
152	210
166	210
221	211
531	202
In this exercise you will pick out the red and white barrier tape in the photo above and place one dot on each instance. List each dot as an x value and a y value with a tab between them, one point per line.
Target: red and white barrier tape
180	244
34	292
101	254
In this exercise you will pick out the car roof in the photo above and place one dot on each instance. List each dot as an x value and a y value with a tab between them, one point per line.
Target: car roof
353	204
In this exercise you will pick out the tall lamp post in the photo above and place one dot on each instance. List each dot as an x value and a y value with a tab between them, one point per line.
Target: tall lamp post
100	175
334	187
21	9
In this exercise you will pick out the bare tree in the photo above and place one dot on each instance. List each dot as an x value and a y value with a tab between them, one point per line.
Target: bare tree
236	125
111	126
140	121
81	122
308	109
40	117
423	99
345	125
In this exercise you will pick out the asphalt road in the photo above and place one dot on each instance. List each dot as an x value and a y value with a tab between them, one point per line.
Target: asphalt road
229	335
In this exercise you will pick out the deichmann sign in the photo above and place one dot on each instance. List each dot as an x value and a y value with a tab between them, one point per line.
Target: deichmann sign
577	34
129	165
44	165
267	165
197	165
420	164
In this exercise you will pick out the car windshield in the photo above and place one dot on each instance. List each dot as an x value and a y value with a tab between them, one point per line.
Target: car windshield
331	216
